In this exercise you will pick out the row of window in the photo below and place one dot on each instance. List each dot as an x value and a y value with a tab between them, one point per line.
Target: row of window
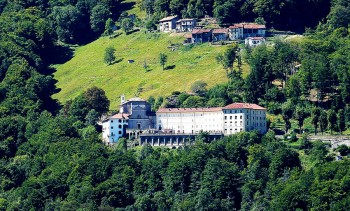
119	120
119	126
240	117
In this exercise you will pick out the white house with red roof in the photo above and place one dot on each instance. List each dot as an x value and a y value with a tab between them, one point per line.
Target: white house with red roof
114	127
254	41
240	31
231	119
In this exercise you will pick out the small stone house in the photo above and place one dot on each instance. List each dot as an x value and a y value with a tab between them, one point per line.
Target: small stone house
201	35
220	35
254	41
168	24
185	25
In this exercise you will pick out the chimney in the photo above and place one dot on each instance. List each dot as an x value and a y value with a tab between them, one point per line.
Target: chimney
122	99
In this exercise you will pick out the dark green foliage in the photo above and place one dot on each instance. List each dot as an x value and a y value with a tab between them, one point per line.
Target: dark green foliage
127	25
199	88
163	58
332	120
323	121
341	120
109	56
343	150
109	27
315	116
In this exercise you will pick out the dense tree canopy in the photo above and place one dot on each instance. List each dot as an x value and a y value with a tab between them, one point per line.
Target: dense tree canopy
52	157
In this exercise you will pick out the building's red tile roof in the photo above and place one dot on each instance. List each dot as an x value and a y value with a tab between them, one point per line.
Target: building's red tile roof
169	18
214	109
177	110
254	26
244	106
219	31
186	19
200	31
236	26
120	116
248	26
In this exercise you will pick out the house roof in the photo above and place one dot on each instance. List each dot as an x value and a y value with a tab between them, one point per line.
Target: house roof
186	19
188	36
213	109
169	18
244	106
182	110
220	31
236	26
254	26
119	116
255	38
248	26
200	31
134	99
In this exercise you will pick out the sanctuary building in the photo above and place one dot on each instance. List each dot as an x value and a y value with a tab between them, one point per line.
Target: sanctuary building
136	115
231	119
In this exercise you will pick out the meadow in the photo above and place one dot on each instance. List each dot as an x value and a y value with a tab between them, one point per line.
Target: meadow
185	65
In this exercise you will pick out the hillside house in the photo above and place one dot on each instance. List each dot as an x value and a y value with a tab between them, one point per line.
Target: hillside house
114	127
185	25
243	30
220	35
168	24
188	38
254	41
201	35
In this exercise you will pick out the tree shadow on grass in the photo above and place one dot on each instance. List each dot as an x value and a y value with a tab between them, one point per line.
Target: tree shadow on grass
59	55
170	67
117	61
132	31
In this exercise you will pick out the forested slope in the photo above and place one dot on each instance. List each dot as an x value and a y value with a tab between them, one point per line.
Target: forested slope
52	157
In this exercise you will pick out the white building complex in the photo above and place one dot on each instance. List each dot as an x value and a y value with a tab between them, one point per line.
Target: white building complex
231	119
136	115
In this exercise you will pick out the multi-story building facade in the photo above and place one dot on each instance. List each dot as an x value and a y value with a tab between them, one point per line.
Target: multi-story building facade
168	24
114	127
234	118
134	115
185	25
243	30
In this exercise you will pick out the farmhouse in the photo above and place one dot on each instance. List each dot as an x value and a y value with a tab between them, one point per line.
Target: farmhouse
220	35
242	30
168	24
201	35
185	25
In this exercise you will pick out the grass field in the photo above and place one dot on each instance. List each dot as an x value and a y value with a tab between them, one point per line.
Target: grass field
186	64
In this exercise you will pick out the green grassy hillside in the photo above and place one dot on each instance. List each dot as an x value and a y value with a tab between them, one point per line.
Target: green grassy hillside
87	68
